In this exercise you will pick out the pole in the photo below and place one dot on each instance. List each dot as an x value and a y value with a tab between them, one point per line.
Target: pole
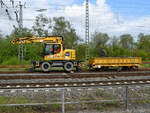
126	97
132	49
20	16
22	52
20	29
87	29
1	2
63	101
19	52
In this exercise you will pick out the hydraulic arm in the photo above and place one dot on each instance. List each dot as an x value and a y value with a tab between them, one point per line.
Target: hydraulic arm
28	40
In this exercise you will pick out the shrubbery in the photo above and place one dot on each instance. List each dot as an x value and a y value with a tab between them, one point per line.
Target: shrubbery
114	46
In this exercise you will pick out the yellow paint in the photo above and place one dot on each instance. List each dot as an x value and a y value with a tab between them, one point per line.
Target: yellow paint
62	56
115	62
48	40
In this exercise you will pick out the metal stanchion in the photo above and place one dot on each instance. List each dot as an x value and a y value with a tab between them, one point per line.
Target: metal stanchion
63	100
126	97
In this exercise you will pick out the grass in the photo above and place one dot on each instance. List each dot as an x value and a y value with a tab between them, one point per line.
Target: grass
144	101
28	109
146	65
102	94
12	100
99	107
14	61
18	109
13	69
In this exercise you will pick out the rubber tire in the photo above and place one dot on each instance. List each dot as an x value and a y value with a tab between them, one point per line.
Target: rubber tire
68	66
45	69
135	68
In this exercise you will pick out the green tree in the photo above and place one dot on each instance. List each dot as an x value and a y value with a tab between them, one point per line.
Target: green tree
31	51
63	28
80	52
143	42
114	48
99	41
26	32
42	25
126	41
143	46
1	48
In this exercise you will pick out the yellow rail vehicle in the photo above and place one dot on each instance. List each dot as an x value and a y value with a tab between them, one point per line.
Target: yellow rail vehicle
56	56
54	53
117	62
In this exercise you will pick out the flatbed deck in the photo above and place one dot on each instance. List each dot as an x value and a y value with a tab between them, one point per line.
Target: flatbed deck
128	62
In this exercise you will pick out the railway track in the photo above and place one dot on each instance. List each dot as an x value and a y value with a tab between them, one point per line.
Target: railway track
29	76
82	71
82	79
73	84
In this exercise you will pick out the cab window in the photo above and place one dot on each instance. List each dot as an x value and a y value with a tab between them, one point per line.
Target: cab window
51	49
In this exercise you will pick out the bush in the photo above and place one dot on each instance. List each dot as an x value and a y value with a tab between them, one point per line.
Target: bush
141	53
11	61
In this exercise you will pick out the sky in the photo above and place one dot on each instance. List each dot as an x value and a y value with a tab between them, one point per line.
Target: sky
115	17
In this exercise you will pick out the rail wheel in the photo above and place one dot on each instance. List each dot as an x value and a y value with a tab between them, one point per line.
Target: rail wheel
135	68
68	66
119	69
45	66
78	68
32	69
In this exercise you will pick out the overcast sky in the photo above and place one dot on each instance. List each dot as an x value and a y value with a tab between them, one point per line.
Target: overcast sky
114	17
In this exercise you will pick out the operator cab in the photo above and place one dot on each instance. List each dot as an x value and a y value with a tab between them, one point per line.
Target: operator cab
51	49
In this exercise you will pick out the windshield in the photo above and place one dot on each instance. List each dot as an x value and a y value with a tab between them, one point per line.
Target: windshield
51	49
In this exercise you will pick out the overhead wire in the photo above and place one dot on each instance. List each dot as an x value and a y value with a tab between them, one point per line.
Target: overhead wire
126	5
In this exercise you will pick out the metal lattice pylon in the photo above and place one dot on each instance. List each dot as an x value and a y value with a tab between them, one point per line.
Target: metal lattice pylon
87	30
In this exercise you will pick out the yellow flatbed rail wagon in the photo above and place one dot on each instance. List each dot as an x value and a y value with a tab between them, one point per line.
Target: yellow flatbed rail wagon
54	53
115	62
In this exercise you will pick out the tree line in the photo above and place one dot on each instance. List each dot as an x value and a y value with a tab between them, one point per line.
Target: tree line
101	44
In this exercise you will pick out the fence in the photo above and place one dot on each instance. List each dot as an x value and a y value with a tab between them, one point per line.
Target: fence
62	99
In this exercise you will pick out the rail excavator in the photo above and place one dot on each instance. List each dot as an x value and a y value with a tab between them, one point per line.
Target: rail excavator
54	53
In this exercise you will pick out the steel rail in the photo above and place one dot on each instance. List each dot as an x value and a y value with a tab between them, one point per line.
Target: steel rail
73	84
62	71
70	75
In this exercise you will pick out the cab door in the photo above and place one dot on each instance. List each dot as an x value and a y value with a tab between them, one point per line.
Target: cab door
57	51
53	52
